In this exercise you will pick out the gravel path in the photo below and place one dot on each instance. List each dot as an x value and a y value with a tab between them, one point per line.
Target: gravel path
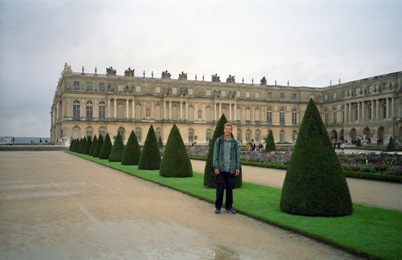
57	206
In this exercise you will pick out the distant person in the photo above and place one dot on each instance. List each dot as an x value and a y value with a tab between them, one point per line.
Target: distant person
342	146
226	164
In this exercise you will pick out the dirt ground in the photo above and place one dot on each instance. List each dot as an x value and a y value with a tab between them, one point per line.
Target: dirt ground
57	206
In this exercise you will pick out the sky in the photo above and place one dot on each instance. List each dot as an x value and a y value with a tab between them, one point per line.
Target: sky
308	43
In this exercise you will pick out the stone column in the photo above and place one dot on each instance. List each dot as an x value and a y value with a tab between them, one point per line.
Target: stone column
387	114
170	110
132	109
376	108
350	112
362	110
115	108
108	108
126	108
392	107
372	109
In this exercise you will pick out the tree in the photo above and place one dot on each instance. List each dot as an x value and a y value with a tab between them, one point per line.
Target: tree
88	145
83	145
269	142
132	151
315	184
150	157
117	149
175	160
391	144
209	175
91	151
106	148
98	147
160	143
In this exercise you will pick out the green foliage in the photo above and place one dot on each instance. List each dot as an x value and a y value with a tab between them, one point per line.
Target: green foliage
91	151
150	157
175	160
132	151
391	144
117	150
83	145
88	145
98	147
106	148
160	143
209	174
269	142
314	184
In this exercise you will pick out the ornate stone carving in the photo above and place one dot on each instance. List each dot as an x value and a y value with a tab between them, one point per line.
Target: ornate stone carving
110	71
183	76
129	72
263	81
231	79
216	78
166	75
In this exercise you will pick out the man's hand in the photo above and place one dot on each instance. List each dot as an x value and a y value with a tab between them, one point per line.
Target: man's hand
217	172
237	172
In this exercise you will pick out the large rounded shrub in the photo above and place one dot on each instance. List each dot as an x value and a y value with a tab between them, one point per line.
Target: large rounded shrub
175	160
132	151
315	184
150	156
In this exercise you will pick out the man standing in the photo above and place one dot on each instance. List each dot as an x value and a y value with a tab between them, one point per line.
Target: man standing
226	164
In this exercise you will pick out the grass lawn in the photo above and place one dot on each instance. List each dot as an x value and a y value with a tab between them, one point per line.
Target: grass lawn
371	232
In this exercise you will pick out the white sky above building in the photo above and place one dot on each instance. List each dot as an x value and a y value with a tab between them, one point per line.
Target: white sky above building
309	43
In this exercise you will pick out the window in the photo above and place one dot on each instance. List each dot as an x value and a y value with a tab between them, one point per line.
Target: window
89	111
89	86
326	117
76	85
248	135
208	92
76	132
257	95
88	134
174	91
208	135
158	134
102	110
223	93
138	134
239	136
282	136
369	111
191	135
269	115
269	95
282	116
258	136
334	96
326	97
121	132
294	116
120	88
334	115
76	110
294	136
102	132
190	92
247	94
282	96
238	94
102	87
294	96
158	90
137	89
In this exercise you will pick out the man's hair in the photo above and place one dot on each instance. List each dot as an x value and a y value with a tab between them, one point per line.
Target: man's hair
228	124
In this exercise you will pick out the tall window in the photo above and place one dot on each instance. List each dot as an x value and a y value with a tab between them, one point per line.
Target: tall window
294	96
102	110
257	136
294	116
102	87
121	132
269	115
282	116
76	110
138	133
89	111
89	86
334	116
282	136
88	134
208	135
248	135
158	134
76	85
102	132
282	96
191	135
326	117
239	138
269	95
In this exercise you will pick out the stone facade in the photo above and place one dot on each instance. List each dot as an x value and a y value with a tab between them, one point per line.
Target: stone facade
86	104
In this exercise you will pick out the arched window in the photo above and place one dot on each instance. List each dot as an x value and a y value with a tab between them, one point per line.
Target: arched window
76	132
158	134
239	136
190	135
190	113
294	116
121	132
269	115
248	135
208	135
88	134
282	116
294	136
102	132
282	136
257	136
138	133
199	114
76	110
89	111
102	111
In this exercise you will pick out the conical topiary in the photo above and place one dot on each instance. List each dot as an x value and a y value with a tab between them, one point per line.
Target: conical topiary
98	147
315	184
83	145
175	160
132	151
117	150
209	174
106	148
160	143
269	142
150	156
92	149
88	145
391	144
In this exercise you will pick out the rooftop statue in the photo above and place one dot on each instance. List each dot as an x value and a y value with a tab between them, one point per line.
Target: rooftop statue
230	79
129	72
183	76
263	81
166	75
110	71
216	78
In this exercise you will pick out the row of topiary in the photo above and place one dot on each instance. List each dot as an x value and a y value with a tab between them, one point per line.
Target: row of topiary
174	163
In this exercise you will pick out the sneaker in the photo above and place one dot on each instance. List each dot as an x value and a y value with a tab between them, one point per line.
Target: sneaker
217	211
231	211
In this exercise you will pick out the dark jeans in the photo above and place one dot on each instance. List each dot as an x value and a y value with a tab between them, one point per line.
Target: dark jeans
224	179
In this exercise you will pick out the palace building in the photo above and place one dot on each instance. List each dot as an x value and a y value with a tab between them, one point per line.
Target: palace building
88	104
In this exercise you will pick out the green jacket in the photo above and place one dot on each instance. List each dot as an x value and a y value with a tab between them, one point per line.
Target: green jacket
217	161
